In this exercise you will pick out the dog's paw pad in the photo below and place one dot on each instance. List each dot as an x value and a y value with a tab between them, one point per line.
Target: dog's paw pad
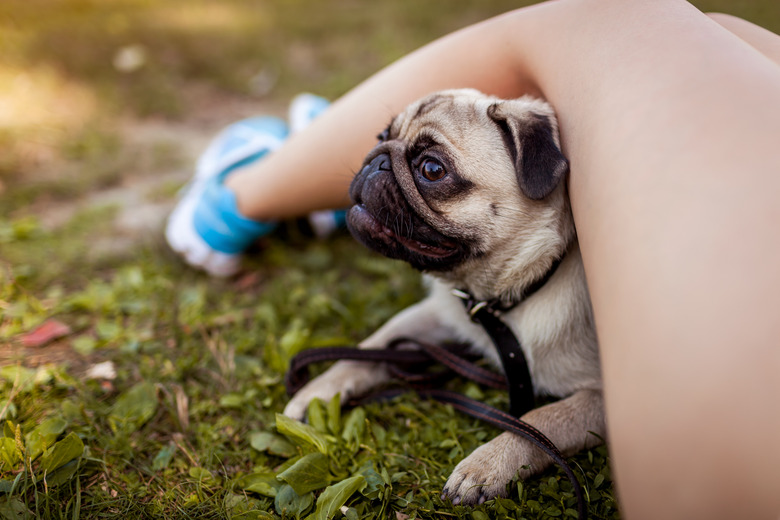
485	473
471	489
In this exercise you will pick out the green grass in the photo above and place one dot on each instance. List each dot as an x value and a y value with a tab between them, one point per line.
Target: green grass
188	427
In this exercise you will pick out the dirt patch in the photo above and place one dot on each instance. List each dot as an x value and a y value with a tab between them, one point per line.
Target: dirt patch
142	197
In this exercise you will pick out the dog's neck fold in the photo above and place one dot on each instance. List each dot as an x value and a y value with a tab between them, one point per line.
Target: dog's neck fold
505	280
504	301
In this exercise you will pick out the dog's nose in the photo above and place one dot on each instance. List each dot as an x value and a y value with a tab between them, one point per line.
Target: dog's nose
379	163
376	166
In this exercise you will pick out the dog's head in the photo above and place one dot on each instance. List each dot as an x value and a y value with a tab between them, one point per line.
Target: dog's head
468	187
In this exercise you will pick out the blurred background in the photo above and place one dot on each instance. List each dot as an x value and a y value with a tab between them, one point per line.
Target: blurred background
94	93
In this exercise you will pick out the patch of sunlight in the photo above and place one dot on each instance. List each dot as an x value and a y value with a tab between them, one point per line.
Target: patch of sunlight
210	17
39	110
40	99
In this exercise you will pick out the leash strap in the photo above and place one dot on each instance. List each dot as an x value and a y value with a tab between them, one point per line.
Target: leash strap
422	382
488	314
521	389
407	360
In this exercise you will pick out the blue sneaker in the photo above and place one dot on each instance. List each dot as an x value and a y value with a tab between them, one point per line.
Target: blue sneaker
303	110
206	227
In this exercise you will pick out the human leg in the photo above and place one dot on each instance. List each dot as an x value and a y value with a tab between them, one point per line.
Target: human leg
673	186
319	164
764	41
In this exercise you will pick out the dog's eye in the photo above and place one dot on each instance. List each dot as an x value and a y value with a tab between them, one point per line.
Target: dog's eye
384	136
432	170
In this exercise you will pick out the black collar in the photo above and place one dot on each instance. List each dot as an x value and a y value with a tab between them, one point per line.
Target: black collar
497	306
488	314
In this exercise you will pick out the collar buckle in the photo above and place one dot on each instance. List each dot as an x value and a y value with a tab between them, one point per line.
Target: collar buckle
474	306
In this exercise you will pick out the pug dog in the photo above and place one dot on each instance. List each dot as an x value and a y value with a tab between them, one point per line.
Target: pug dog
471	190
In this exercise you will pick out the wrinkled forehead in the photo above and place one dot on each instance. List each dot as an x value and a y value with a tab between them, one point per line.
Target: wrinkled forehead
443	113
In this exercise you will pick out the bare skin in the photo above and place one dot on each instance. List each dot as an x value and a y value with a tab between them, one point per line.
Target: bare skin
670	120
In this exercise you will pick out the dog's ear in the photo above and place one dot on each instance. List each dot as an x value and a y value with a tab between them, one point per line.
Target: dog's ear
530	139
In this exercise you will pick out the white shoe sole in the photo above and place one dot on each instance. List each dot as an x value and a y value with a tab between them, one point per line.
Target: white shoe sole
180	230
184	240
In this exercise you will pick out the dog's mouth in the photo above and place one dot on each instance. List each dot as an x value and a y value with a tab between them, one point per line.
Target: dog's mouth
364	225
382	219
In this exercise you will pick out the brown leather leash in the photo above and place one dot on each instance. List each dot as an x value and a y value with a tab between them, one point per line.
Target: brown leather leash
408	360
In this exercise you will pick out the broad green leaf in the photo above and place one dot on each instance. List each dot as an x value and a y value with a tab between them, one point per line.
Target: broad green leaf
12	508
354	427
310	472
316	415
9	453
506	503
288	502
287	464
44	435
335	496
271	443
164	457
8	409
263	482
334	415
134	407
294	338
62	474
62	452
375	484
201	474
298	432
242	506
448	443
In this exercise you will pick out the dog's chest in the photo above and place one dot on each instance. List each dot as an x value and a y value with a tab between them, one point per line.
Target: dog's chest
555	331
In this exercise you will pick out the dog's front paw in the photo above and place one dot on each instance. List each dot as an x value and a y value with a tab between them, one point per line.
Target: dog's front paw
486	472
347	378
296	408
